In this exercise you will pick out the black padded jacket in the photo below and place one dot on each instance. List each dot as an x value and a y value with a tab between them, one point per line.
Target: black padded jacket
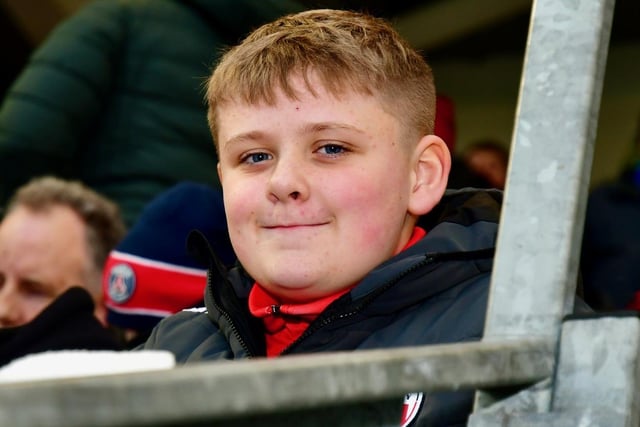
433	292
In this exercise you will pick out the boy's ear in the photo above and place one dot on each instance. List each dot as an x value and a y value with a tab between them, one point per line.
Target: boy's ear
431	165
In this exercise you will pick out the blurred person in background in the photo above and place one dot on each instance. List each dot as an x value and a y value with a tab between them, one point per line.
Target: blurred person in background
610	262
461	175
150	274
54	240
488	159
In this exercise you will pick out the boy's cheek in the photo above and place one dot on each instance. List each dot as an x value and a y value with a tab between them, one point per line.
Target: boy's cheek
238	192
237	213
241	207
372	236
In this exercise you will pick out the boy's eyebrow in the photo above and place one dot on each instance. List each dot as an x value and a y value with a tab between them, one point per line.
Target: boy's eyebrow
255	135
318	127
245	136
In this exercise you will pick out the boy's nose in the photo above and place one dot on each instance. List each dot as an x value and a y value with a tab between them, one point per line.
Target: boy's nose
288	181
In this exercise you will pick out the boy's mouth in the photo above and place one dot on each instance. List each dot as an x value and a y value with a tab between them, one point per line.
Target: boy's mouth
294	225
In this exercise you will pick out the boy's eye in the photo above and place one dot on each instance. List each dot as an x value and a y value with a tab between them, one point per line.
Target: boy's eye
332	149
256	158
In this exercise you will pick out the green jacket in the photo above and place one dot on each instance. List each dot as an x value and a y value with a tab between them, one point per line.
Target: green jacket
114	97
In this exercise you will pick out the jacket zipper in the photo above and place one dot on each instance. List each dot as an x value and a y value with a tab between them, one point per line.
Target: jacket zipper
314	327
227	316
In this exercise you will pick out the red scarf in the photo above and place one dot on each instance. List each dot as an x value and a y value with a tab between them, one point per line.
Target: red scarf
285	323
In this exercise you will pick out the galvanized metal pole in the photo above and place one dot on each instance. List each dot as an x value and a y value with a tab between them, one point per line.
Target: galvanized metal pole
535	271
596	380
536	266
598	370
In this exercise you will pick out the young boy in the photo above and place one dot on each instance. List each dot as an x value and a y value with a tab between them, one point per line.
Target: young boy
323	123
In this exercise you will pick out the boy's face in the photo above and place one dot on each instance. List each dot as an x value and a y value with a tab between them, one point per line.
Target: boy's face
316	190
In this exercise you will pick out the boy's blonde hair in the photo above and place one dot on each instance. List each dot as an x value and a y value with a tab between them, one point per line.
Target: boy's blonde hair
346	50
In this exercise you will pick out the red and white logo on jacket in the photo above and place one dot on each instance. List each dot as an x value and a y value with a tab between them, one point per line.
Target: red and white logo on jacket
411	407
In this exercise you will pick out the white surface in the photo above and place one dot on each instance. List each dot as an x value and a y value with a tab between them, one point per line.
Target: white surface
80	363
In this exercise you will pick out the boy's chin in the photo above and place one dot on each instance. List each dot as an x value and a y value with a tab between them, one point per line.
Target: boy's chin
300	293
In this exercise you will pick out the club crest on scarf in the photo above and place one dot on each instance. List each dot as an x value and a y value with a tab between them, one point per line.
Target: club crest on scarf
122	283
